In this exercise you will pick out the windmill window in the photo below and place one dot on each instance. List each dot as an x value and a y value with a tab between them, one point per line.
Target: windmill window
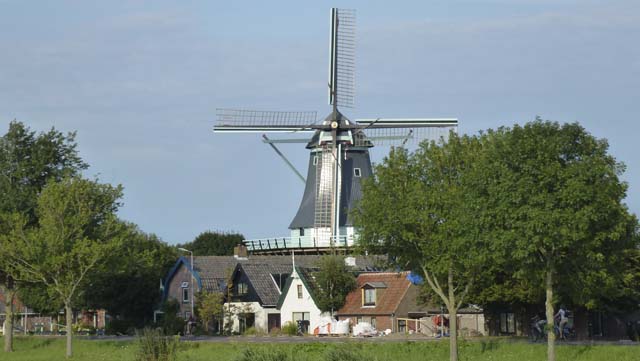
357	172
315	160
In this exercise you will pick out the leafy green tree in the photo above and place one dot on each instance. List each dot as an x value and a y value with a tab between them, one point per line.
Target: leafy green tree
27	162
77	230
209	307
551	201
418	209
127	285
211	243
334	280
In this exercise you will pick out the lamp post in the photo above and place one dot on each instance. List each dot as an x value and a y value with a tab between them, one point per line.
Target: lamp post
192	270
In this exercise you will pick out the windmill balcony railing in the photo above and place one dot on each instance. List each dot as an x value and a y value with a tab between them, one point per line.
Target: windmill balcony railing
301	242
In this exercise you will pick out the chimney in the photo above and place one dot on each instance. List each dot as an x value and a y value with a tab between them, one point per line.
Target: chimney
240	252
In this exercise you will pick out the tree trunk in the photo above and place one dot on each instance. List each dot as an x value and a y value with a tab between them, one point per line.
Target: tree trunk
69	316
8	323
453	320
551	335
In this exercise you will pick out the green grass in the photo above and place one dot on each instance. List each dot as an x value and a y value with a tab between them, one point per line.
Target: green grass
41	348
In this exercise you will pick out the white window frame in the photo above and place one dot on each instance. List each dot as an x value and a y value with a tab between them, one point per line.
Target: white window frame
357	172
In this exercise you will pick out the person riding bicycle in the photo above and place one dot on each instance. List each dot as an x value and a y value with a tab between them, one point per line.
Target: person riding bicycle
561	316
538	325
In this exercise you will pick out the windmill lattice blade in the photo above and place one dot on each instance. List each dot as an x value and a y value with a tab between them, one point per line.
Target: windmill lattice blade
244	120
401	136
342	80
408	122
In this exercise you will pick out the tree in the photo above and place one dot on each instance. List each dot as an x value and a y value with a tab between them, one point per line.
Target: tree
211	243
27	162
77	229
127	284
209	307
334	280
418	208
551	203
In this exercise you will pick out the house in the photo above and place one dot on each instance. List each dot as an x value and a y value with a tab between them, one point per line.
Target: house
389	300
27	320
515	320
255	288
298	301
254	294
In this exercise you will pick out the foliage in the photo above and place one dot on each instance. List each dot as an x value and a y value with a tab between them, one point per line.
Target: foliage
27	162
153	345
39	298
77	230
172	323
251	354
552	204
344	354
334	280
419	208
209	307
128	285
289	329
212	243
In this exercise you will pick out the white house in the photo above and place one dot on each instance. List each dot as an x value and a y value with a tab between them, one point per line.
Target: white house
298	303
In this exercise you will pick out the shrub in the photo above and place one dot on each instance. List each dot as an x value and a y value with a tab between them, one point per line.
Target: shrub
290	329
120	327
251	331
153	345
263	355
343	354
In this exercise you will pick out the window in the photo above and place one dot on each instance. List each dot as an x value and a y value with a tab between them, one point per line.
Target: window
280	279
301	232
301	316
402	325
369	297
315	160
373	322
242	288
507	322
299	291
357	172
185	295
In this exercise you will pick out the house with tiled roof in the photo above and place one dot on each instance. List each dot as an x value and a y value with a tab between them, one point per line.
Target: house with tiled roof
298	302
383	300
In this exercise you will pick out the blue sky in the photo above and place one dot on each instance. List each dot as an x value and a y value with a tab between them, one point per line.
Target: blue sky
140	82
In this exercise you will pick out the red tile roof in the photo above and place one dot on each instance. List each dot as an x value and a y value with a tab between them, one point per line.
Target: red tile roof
387	299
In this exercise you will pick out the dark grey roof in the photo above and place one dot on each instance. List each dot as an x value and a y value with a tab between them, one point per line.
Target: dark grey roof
259	275
215	270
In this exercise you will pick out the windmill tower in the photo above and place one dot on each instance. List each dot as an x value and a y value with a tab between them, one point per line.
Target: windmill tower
339	149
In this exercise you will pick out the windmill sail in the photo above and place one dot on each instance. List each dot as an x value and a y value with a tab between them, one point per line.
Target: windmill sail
342	79
245	120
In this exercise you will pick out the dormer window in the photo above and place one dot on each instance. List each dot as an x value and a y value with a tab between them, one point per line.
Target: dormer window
370	293
369	297
357	172
242	289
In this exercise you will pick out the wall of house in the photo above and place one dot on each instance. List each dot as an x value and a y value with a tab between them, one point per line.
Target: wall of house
382	322
293	304
175	289
261	315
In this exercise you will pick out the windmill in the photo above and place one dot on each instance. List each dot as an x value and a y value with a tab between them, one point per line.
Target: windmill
339	148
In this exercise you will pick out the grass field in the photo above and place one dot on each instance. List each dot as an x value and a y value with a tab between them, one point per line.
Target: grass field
36	349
